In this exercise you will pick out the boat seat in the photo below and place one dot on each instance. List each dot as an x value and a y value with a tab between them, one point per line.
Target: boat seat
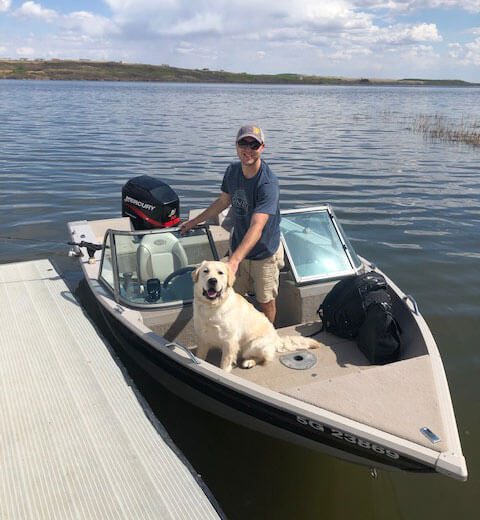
158	255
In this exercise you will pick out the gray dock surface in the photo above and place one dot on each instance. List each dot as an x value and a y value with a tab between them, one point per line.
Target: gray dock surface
75	440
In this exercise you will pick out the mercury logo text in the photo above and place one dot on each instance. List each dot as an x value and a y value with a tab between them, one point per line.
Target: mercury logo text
143	205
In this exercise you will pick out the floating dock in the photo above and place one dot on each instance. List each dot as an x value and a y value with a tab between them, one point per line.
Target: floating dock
76	439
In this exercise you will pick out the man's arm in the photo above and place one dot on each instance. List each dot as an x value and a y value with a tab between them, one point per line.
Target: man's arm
252	236
215	208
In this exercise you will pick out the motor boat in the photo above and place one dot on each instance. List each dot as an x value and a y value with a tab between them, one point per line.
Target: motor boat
395	416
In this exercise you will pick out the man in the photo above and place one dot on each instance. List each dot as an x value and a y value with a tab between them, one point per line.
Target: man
252	190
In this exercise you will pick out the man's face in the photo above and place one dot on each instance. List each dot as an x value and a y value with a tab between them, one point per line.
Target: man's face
247	155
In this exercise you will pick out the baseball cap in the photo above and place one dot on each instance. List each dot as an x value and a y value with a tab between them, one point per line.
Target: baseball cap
251	131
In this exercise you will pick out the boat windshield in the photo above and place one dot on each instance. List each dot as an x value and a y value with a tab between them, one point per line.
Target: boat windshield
316	246
153	268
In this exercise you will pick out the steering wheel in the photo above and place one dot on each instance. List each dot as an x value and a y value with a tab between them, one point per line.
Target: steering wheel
176	273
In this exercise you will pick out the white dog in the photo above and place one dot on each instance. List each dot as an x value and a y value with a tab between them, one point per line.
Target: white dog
224	319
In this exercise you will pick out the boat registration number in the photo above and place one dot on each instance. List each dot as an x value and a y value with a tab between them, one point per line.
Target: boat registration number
347	437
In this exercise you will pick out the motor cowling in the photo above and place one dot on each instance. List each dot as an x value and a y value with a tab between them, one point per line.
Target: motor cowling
150	203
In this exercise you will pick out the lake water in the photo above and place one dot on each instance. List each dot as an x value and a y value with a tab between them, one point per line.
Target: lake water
409	204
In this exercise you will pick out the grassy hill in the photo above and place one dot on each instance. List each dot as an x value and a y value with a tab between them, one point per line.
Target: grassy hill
118	71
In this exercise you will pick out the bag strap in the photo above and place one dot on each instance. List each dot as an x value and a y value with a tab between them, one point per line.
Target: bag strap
320	315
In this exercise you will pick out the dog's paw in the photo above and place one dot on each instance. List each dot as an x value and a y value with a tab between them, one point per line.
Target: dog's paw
226	367
248	363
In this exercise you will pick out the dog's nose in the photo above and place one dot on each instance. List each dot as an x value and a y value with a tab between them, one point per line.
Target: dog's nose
212	281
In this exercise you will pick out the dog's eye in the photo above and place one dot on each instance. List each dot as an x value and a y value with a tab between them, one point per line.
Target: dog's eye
205	270
220	272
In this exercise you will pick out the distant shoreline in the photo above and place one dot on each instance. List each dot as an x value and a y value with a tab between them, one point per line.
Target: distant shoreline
86	70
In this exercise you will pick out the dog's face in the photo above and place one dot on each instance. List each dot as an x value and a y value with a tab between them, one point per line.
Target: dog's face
212	280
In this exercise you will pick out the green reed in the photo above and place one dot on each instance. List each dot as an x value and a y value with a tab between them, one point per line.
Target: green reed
440	127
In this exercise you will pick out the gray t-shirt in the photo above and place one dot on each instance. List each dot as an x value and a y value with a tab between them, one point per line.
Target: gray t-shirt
260	194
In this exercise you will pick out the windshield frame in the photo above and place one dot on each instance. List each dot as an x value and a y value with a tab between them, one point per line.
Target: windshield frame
352	257
109	237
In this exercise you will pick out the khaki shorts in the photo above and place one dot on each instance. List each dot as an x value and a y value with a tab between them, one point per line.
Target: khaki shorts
262	275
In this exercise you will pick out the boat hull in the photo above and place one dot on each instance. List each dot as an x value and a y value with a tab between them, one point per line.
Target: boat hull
338	430
248	411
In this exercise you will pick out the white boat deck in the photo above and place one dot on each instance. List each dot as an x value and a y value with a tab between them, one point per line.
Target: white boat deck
76	439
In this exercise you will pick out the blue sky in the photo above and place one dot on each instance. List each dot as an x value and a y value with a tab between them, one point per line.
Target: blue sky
353	38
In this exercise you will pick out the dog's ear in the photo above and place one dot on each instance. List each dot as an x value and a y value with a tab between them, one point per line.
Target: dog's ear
197	272
230	276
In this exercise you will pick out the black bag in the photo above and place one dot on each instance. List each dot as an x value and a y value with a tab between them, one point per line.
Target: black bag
379	335
361	308
343	309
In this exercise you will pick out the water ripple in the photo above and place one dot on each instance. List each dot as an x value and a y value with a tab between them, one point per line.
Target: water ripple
68	148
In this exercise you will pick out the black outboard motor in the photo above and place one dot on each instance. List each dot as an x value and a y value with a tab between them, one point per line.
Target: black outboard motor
150	203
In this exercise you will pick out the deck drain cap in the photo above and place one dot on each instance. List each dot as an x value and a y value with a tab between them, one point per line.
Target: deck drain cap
299	360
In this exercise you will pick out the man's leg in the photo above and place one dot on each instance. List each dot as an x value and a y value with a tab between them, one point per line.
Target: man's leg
269	309
266	280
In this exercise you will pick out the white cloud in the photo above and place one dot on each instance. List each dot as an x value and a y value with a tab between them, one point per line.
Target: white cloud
468	5
348	53
231	17
466	54
307	22
198	23
186	48
403	6
34	10
80	22
304	35
425	32
25	51
455	50
85	23
5	5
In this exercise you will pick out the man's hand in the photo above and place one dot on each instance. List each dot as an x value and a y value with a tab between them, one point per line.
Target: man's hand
233	264
249	240
187	226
